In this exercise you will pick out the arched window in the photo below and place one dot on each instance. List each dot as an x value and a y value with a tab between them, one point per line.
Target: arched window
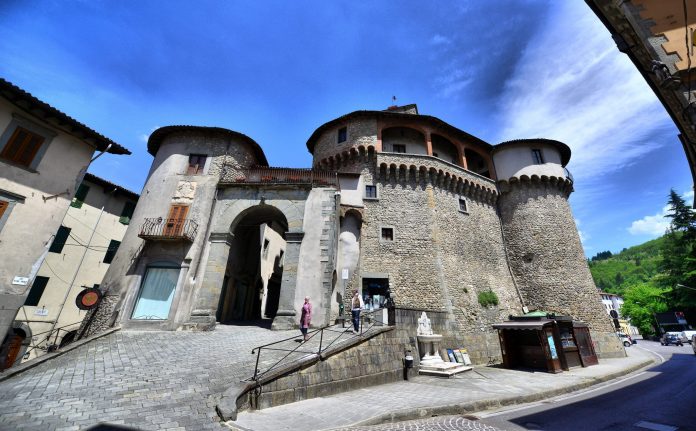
476	163
156	292
403	140
444	149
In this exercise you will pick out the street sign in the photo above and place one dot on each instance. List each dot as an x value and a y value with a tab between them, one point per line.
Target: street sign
21	281
88	298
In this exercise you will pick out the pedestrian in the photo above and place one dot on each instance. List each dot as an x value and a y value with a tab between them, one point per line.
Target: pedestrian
305	318
356	304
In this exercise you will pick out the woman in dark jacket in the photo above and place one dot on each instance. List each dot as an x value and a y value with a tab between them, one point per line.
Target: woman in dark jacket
306	317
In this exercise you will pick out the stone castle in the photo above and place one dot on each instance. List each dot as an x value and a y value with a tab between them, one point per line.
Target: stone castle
402	207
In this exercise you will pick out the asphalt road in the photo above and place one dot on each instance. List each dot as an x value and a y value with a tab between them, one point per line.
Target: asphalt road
661	398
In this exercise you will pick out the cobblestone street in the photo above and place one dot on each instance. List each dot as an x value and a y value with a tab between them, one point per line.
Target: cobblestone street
165	380
440	423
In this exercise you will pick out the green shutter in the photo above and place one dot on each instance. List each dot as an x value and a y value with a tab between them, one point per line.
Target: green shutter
80	196
127	212
37	289
111	252
59	240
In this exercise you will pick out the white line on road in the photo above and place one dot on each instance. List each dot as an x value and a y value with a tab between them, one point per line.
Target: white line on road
662	358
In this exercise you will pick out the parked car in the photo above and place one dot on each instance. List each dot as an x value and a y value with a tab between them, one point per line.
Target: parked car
625	339
693	343
686	336
671	338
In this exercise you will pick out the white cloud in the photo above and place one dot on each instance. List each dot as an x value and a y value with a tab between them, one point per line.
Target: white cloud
573	85
439	39
145	136
656	225
583	235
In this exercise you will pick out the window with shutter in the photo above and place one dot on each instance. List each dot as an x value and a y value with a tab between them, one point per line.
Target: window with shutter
111	251
80	196
22	147
196	164
175	222
127	212
59	240
37	289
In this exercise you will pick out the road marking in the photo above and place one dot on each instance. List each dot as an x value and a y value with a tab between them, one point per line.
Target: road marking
654	426
662	358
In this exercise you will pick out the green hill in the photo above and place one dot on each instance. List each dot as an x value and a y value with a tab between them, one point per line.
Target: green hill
637	264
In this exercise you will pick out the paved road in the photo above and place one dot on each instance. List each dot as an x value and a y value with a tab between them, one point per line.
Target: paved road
660	398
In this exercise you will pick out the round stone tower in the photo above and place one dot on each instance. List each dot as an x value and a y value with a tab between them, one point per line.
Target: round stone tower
542	240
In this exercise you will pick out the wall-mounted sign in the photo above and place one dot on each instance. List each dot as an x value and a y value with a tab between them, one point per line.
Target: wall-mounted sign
344	274
88	298
552	346
20	281
41	312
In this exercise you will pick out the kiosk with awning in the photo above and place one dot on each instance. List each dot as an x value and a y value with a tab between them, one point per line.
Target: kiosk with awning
545	341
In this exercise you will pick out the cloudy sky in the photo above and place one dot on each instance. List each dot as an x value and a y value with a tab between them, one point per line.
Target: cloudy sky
276	70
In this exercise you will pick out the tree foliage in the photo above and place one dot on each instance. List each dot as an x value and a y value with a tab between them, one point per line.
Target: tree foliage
641	302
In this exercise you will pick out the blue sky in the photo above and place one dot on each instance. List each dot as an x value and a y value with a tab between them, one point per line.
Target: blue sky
277	70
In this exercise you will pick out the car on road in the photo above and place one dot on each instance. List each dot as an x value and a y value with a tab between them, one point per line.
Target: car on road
693	343
686	336
625	339
671	338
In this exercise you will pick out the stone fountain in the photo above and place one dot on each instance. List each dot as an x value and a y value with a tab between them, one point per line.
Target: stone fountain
429	346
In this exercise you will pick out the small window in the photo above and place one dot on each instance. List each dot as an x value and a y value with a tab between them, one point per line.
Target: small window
371	192
22	147
111	251
387	234
462	205
196	164
342	134
60	239
37	289
538	157
127	212
80	196
399	148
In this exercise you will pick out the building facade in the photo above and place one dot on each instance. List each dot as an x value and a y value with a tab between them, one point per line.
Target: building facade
402	207
43	155
78	258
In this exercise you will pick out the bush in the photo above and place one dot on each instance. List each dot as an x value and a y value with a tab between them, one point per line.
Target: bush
487	298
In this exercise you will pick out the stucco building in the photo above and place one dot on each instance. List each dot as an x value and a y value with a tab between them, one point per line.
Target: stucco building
84	245
397	205
44	154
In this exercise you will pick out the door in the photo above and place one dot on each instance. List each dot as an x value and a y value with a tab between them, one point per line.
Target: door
584	342
175	221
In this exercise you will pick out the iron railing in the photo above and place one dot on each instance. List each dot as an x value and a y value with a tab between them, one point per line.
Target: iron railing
168	229
48	341
328	336
268	175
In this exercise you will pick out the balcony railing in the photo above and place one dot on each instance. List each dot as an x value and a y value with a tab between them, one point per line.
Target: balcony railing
168	229
264	175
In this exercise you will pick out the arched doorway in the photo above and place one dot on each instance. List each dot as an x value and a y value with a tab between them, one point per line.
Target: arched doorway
14	345
251	287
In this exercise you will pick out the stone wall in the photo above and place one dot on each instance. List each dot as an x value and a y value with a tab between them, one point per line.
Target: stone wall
361	132
547	258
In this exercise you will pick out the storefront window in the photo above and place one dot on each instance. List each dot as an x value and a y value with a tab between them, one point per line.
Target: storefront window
375	292
156	293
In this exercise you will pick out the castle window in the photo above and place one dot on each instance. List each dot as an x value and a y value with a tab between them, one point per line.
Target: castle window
387	234
538	157
399	148
462	206
370	192
342	134
196	164
24	143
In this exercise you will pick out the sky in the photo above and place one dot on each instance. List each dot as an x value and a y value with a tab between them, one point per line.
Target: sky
277	70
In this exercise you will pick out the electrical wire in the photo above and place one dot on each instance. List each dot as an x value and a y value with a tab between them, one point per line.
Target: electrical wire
55	273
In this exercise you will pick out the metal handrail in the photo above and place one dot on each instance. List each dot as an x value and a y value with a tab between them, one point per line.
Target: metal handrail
44	344
367	315
169	228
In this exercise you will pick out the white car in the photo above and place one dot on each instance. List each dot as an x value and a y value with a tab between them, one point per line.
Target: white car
625	339
687	336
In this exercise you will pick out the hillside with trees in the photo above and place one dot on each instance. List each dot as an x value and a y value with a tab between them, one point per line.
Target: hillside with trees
657	276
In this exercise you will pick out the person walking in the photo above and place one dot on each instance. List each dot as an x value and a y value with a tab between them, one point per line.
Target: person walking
356	304
305	318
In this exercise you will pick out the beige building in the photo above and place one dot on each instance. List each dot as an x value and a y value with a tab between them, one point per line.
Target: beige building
43	155
78	258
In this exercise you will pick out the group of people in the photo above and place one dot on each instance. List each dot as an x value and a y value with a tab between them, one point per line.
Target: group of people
356	304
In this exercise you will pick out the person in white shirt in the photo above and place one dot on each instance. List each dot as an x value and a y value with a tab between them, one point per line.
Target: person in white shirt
356	304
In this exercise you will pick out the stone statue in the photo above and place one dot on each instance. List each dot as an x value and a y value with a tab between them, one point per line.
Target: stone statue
424	327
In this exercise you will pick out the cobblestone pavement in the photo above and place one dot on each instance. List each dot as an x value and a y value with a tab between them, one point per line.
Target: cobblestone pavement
147	380
440	423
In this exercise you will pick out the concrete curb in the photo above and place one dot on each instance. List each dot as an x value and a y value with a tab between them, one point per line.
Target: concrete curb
4	375
485	404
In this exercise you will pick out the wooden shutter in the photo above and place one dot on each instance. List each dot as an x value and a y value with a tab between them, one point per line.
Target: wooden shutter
22	147
175	220
584	342
3	207
59	240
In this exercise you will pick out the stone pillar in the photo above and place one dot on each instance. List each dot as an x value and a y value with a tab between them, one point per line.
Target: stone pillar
208	295
286	315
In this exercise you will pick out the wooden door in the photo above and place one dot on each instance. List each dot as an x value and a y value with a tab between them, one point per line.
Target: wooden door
175	221
3	207
584	342
15	345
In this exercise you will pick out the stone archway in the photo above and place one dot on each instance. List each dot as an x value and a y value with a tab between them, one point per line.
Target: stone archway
251	288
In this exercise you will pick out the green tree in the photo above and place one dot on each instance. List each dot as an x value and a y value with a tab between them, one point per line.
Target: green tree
641	302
